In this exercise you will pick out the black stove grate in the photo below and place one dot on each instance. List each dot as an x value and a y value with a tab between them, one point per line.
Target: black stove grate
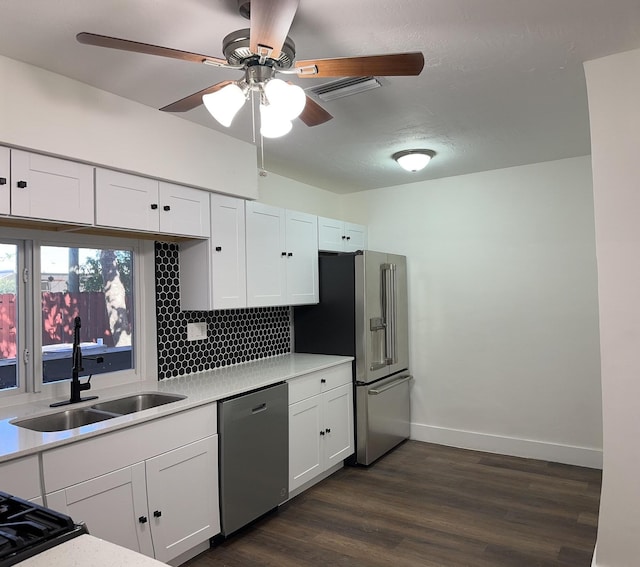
27	529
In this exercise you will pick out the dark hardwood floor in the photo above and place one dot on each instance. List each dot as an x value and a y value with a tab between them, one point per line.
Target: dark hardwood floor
429	505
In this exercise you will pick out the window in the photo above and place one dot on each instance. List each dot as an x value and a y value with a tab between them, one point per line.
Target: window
96	285
69	276
9	315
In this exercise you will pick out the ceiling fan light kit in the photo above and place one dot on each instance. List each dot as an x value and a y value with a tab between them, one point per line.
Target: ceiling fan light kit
224	104
261	51
413	160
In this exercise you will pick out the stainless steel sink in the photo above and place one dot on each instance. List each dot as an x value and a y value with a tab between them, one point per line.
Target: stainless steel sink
63	420
138	402
72	418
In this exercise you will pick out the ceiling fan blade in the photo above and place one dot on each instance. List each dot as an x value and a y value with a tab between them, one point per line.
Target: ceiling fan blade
396	64
270	23
313	114
137	47
192	101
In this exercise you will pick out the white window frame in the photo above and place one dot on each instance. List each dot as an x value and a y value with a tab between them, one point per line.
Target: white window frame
145	348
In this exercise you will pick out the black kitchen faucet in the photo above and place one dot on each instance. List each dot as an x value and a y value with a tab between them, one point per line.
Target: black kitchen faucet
76	357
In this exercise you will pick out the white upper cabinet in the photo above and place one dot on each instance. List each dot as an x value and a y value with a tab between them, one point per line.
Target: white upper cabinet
143	204
48	188
229	274
282	256
340	236
213	271
184	210
266	255
5	181
356	237
302	258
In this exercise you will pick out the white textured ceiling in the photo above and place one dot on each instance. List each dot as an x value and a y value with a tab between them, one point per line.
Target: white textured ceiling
503	82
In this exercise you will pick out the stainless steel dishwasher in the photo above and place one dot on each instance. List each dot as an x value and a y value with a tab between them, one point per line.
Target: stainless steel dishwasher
254	455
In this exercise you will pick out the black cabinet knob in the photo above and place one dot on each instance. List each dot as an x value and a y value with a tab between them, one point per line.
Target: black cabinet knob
323	381
143	519
322	433
283	254
154	206
218	248
290	254
328	430
3	180
21	184
166	208
157	514
344	237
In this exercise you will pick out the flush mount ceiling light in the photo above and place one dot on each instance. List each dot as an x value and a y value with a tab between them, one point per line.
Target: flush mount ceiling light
413	160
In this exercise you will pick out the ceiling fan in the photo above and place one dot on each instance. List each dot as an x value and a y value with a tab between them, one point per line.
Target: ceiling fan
261	51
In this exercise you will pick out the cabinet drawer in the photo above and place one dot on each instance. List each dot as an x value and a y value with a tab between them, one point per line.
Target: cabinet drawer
315	383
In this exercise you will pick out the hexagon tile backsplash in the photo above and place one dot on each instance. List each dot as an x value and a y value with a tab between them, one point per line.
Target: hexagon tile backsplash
233	335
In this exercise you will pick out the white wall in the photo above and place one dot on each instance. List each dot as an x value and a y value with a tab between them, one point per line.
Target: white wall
503	306
51	114
613	85
283	192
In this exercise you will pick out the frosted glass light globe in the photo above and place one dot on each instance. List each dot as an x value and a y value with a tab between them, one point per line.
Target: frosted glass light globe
224	104
272	123
288	100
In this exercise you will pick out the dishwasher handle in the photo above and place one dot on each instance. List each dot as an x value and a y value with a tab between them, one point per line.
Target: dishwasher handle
259	408
393	384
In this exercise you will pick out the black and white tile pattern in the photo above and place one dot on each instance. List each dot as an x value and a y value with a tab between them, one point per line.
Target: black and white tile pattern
234	335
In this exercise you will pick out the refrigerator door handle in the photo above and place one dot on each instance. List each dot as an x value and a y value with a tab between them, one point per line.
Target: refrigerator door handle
386	387
389	309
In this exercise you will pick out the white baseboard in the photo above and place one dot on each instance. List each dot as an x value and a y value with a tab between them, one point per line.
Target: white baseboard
567	454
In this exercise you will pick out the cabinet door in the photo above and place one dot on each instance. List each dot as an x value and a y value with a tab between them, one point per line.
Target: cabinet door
266	255
113	506
184	210
5	182
21	477
302	258
355	237
228	250
182	488
49	188
126	201
305	447
331	236
337	412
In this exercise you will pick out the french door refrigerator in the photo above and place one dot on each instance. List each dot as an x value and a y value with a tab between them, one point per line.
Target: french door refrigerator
363	313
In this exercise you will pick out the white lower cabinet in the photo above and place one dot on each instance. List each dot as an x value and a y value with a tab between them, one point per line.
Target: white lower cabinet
161	507
21	478
182	491
320	423
150	488
113	507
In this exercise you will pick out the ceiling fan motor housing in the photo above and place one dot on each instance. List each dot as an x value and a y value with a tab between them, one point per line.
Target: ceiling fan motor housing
236	49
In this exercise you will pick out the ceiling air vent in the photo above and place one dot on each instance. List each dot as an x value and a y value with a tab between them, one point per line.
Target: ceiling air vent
345	87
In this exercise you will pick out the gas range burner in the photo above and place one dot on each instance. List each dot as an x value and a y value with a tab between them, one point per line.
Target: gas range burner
27	529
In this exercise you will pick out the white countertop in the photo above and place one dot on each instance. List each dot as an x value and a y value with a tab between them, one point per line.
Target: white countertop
89	551
200	388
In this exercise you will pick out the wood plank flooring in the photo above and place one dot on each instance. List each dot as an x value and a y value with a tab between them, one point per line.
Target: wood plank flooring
429	506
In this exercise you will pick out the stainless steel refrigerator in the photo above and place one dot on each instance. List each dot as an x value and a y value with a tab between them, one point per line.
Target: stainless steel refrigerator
363	313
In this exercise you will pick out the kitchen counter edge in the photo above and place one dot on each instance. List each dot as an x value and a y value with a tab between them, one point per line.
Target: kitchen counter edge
200	388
